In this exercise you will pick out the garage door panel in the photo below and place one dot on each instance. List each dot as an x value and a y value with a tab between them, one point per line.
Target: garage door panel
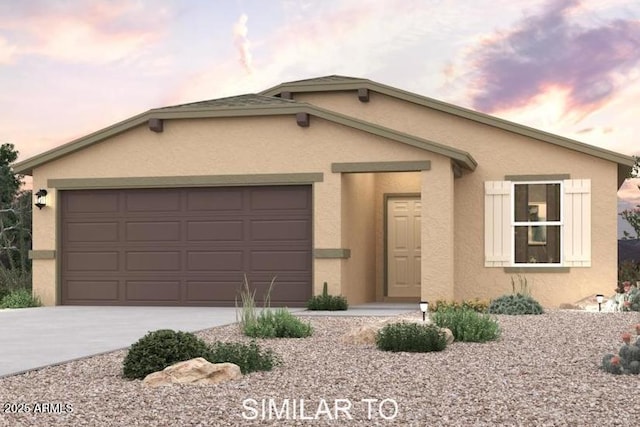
91	290
153	261
279	198
91	201
152	201
79	232
154	290
221	200
92	261
222	290
280	261
185	246
215	230
271	230
221	261
153	231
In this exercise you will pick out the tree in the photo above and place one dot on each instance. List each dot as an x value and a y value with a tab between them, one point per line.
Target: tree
15	225
632	216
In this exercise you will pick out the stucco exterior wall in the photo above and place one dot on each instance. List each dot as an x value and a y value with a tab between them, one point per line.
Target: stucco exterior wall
223	146
358	219
499	153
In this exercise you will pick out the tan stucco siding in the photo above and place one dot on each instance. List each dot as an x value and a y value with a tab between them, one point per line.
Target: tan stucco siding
358	219
235	146
499	153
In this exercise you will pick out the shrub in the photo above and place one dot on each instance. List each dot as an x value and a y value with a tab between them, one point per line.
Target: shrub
249	357
19	298
268	324
467	325
277	324
515	304
475	304
411	337
327	302
159	349
519	302
627	361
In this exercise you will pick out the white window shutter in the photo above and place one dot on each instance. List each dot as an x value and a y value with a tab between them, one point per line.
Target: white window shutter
497	223
577	223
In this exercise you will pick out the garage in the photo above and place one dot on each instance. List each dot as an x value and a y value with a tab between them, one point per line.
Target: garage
185	246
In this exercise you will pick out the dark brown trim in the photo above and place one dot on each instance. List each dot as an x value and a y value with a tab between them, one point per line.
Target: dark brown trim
302	119
156	125
363	94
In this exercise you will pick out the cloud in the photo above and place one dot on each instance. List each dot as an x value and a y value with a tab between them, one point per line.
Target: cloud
242	43
548	51
7	52
83	32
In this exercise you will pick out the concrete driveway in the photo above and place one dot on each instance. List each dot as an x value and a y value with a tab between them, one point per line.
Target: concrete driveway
32	338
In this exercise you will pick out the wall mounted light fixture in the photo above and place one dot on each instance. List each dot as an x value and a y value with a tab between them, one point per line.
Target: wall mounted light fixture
41	198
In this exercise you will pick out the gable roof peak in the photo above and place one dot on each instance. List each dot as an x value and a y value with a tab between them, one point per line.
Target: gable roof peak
238	101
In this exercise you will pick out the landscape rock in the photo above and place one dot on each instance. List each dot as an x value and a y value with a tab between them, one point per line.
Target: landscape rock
195	371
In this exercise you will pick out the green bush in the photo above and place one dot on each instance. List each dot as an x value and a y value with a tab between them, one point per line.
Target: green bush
475	304
467	325
19	298
411	337
159	349
249	357
515	304
277	324
327	302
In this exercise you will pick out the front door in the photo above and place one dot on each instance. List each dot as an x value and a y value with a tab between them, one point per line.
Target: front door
403	246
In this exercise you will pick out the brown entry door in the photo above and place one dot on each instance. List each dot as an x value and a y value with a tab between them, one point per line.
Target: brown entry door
185	246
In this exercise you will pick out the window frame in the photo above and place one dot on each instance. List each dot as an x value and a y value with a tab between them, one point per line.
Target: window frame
515	224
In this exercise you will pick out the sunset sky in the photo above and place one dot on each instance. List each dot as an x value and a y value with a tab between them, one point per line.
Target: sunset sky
570	67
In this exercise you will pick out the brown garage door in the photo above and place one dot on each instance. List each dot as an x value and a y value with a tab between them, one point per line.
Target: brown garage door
186	246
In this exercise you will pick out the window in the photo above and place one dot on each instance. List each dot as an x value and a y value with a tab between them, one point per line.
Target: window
538	223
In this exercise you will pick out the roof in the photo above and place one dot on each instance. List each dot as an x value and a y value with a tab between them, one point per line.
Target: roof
341	83
243	106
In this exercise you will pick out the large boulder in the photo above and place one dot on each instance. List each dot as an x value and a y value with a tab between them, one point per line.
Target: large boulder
366	334
195	371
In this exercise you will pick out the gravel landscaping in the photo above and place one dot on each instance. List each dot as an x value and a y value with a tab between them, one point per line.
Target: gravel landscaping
542	372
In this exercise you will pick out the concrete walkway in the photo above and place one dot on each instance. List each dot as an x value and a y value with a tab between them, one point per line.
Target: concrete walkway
32	338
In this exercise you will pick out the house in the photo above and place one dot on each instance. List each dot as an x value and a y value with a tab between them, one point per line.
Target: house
385	195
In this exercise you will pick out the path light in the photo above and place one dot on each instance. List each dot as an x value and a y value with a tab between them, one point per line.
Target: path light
599	298
41	198
424	307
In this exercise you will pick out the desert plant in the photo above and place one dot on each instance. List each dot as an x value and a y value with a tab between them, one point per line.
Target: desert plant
475	304
411	337
19	298
519	302
515	305
247	314
327	302
277	324
249	357
627	361
467	325
159	349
